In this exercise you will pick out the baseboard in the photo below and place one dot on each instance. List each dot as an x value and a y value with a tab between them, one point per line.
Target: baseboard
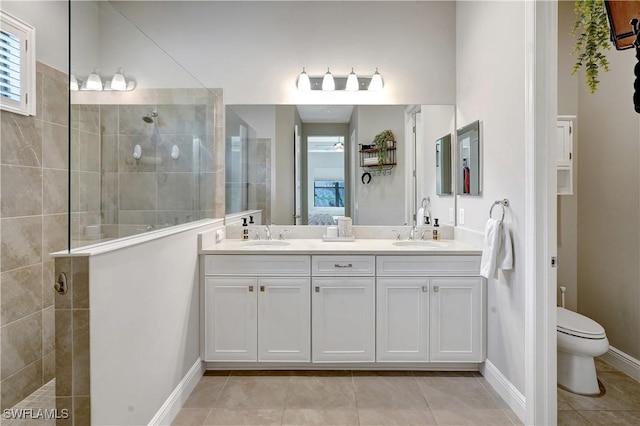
169	410
623	362
507	391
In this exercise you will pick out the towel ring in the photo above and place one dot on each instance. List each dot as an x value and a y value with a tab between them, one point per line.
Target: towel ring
502	203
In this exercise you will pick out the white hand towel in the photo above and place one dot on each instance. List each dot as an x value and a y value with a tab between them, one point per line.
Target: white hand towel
504	260
420	216
490	247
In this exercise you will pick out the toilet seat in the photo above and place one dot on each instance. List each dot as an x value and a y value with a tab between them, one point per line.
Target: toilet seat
574	324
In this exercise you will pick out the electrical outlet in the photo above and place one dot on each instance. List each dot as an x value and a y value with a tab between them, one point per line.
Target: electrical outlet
220	235
461	217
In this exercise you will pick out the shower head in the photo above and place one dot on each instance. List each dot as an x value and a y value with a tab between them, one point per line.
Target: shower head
149	117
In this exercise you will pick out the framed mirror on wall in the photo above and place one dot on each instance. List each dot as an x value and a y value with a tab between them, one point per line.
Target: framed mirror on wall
469	164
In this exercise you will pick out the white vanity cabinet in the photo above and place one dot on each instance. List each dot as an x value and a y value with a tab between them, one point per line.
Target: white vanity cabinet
343	307
257	318
430	309
456	319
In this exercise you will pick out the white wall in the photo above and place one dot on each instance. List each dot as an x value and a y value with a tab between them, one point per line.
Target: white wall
491	87
50	19
145	322
437	121
255	50
382	201
283	202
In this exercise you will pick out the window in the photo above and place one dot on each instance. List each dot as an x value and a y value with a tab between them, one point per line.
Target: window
17	65
328	193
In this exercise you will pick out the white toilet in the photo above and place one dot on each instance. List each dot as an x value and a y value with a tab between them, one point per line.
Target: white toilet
579	340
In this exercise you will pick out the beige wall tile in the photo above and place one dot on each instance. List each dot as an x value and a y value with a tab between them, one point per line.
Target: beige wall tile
54	235
89	151
176	119
108	119
63	265
88	191
48	280
21	344
21	140
64	354
81	411
55	191
89	118
64	405
109	156
54	100
51	72
21	191
184	163
49	367
130	119
48	330
175	191
21	293
80	282
137	191
21	242
126	162
109	198
81	363
55	146
21	384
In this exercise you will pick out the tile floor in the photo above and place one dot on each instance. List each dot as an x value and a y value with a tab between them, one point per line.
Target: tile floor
620	404
344	398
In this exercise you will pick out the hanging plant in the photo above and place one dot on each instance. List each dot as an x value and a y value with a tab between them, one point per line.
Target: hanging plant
591	22
380	142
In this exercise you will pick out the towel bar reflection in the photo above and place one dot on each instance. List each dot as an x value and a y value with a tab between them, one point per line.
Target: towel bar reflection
502	203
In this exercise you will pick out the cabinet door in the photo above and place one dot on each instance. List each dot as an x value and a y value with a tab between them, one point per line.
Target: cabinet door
231	319
284	323
402	319
457	323
564	143
343	319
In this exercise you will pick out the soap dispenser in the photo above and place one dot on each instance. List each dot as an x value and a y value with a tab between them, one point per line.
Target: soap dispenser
251	220
245	229
436	229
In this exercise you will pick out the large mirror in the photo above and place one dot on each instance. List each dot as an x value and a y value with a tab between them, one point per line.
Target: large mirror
309	164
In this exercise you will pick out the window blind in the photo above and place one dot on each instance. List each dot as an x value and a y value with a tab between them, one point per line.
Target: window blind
10	71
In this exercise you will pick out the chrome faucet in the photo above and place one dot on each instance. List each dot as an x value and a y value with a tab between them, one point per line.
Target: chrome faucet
397	234
267	233
423	236
281	234
412	233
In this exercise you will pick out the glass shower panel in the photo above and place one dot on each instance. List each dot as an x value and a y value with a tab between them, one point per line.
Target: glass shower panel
142	159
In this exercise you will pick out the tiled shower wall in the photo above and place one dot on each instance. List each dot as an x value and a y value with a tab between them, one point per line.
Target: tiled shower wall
115	195
259	177
33	193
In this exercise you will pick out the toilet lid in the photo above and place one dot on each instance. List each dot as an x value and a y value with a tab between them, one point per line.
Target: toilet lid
579	325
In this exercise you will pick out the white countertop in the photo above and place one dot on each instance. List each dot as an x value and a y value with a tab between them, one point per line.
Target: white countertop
359	246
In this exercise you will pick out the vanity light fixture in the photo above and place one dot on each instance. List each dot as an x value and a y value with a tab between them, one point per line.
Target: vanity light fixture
328	82
94	82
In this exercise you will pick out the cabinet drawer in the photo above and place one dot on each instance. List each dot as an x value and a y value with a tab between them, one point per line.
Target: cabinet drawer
428	265
343	265
263	265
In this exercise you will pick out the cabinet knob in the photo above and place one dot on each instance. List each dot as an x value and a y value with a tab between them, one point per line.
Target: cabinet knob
317	289
425	288
262	288
436	288
250	289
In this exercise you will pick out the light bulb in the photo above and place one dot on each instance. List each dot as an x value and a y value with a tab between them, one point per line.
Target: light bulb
376	82
304	83
73	82
328	83
94	82
352	82
118	82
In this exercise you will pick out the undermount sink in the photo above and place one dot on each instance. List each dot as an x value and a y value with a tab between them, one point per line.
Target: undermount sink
425	244
267	243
